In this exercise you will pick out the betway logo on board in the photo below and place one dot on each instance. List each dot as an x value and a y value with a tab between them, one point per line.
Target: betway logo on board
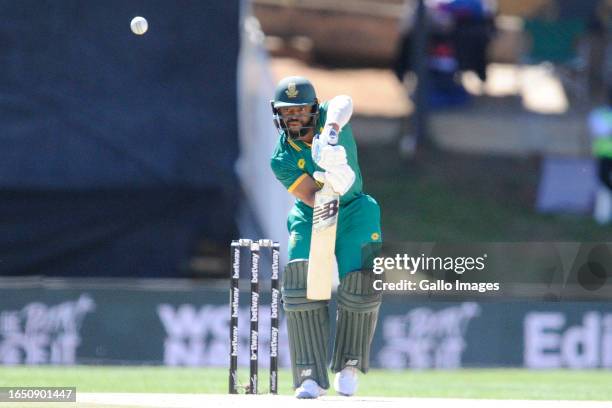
255	268
236	264
275	265
550	342
254	307
275	297
254	345
274	343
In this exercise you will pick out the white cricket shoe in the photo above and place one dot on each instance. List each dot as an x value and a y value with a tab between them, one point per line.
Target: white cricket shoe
345	382
309	390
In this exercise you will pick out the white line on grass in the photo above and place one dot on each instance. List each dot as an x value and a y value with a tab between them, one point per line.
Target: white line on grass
271	401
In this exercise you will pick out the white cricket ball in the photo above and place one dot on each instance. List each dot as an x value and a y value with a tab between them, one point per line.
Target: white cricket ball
139	25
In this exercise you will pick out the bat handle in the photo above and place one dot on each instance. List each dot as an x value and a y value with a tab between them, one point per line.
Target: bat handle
333	139
327	190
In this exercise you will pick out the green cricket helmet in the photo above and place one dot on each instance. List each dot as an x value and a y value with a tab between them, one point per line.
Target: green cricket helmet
294	91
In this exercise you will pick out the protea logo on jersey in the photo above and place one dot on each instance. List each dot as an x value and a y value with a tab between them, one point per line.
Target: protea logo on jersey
236	264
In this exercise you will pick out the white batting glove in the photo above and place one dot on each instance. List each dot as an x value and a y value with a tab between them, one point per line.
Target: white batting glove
340	177
332	156
329	136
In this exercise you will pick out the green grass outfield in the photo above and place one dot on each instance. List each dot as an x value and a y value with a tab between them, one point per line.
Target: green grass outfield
473	383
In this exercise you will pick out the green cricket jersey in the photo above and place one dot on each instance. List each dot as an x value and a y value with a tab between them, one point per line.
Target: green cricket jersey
359	215
292	160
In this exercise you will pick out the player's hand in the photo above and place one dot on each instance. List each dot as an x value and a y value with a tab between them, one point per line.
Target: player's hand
340	177
332	156
322	153
329	134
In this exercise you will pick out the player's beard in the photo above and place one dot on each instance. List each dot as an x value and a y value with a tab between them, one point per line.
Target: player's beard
297	133
300	132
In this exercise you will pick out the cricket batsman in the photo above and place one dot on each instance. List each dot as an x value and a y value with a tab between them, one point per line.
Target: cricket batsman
303	122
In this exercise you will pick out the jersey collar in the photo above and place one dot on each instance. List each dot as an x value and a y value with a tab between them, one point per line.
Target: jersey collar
293	144
297	145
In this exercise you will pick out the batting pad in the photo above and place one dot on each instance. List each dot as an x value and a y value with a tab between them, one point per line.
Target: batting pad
308	327
358	305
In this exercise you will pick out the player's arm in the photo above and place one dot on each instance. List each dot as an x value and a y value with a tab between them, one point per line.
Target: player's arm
340	177
339	112
305	189
297	182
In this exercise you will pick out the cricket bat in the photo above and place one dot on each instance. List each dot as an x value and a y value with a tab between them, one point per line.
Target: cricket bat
322	258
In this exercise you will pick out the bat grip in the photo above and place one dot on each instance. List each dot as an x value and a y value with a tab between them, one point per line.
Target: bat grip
332	137
333	140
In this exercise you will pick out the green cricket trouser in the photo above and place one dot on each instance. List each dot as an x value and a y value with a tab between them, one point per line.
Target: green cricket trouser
358	224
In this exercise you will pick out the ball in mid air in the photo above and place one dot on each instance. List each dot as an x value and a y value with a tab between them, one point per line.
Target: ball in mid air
139	25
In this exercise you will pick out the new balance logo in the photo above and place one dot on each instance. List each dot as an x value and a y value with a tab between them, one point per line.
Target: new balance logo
325	211
352	363
306	373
